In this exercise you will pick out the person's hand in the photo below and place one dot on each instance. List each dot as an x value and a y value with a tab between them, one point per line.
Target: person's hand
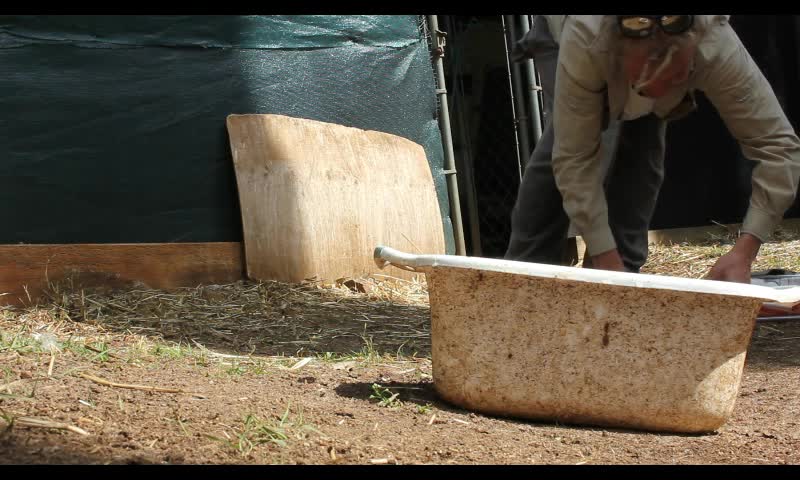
735	265
609	260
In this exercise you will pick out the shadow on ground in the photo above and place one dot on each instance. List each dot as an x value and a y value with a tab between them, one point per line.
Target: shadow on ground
423	394
269	318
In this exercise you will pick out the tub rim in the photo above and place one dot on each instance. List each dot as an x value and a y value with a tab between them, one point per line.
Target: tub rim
385	256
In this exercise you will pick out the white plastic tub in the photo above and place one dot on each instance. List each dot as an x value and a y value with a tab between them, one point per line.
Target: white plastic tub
587	346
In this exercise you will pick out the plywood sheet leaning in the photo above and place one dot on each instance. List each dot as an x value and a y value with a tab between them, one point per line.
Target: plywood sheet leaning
316	197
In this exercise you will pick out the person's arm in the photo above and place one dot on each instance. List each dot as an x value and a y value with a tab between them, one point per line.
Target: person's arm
747	104
578	122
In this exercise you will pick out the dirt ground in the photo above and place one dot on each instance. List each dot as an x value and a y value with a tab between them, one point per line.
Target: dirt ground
279	374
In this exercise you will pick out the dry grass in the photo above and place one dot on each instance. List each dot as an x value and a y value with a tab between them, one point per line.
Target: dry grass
696	259
390	317
369	318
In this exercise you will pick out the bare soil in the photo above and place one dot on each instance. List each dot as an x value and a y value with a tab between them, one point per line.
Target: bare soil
277	374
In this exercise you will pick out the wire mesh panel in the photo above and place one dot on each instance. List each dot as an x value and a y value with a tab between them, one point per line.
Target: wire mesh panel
495	164
484	124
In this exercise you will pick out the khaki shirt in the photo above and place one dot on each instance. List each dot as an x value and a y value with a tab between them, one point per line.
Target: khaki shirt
589	85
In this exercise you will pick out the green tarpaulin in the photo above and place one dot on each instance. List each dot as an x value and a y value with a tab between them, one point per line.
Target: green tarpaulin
113	127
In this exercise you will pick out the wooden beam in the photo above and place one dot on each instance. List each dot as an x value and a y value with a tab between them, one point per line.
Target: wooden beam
154	265
700	234
696	234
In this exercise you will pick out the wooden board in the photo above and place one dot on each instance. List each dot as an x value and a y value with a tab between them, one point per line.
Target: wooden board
317	198
155	265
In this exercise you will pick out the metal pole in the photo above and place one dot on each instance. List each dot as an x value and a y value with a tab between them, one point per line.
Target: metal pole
784	318
447	139
530	77
464	161
519	97
511	91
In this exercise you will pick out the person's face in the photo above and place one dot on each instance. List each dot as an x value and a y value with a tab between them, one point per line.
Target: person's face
655	63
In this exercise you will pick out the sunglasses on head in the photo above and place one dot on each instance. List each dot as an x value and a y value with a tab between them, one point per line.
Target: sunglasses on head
642	26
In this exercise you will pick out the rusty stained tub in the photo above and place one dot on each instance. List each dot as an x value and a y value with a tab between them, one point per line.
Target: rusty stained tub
585	346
